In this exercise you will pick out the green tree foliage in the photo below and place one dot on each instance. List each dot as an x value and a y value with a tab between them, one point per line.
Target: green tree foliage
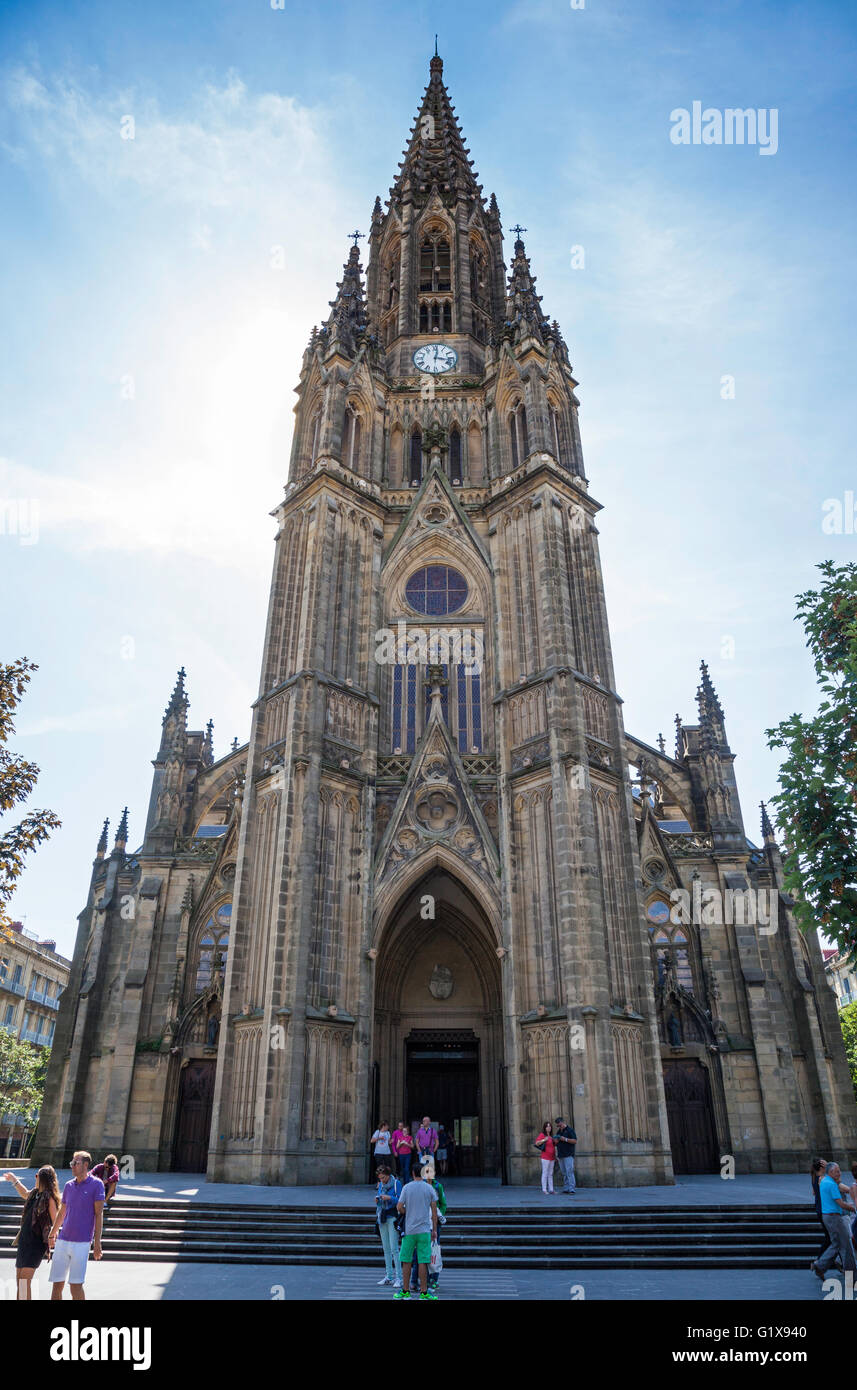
22	1077
17	780
848	1021
817	801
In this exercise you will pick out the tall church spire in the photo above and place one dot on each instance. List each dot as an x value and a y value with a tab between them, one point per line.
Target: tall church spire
436	157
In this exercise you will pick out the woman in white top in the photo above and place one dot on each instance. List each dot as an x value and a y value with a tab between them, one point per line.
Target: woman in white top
380	1141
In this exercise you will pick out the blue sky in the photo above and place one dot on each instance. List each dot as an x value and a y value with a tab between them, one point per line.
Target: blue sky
150	349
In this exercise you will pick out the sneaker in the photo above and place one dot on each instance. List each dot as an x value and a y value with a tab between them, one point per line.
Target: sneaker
427	1297
401	1293
386	1281
397	1284
430	1293
816	1271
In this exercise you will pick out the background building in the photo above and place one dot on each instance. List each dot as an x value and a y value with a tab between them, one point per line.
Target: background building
32	979
841	971
428	885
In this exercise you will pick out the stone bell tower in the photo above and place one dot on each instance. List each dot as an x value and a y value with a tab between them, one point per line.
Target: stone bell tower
436	905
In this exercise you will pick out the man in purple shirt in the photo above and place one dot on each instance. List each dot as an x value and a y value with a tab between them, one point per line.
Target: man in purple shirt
79	1217
426	1143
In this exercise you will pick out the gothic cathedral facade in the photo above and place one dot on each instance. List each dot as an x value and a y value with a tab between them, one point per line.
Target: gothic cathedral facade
441	877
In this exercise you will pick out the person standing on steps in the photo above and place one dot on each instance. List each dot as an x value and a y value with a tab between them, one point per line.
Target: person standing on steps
426	1142
547	1150
381	1142
40	1209
386	1199
78	1219
566	1145
418	1205
442	1149
817	1170
835	1213
403	1148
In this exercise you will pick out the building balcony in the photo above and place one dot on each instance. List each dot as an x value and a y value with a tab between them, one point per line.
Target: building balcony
13	987
40	1039
41	996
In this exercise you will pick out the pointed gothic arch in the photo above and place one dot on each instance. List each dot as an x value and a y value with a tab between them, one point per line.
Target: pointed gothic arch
438	1042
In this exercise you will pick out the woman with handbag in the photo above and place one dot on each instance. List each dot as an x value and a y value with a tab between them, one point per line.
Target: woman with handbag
547	1149
388	1193
40	1211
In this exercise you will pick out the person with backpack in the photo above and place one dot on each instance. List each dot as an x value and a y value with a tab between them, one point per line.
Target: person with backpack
547	1149
40	1210
386	1203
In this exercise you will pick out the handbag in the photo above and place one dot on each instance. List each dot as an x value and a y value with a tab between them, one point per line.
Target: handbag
436	1258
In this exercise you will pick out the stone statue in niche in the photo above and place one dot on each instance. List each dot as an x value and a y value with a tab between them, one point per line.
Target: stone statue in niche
441	983
212	1031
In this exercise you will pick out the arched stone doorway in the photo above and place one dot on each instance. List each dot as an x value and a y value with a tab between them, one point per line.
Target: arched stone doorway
438	1039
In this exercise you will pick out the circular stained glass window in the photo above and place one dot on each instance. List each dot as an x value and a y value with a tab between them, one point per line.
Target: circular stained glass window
658	912
436	590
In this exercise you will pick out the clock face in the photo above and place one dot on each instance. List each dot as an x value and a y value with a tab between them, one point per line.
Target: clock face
435	358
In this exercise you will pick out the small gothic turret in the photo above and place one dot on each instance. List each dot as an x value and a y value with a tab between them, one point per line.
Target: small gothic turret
174	728
767	829
711	764
101	847
524	315
122	833
347	321
679	739
207	750
711	718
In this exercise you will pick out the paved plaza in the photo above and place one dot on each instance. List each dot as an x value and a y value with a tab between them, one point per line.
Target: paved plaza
144	1282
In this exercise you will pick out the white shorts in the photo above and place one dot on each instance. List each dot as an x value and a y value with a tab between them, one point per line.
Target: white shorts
69	1261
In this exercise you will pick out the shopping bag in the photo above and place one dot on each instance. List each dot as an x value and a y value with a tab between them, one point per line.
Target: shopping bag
436	1258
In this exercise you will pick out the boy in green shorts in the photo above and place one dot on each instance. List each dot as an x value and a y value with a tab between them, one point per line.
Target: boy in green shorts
418	1204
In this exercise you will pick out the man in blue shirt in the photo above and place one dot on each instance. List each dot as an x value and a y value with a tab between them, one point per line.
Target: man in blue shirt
835	1211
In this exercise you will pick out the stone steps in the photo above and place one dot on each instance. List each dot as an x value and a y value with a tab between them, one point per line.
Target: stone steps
740	1237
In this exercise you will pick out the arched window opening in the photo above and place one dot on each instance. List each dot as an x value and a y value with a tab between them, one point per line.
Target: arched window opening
518	435
416	458
213	948
478	279
435	265
351	438
315	435
455	456
556	438
426	266
424	318
671	948
474	455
